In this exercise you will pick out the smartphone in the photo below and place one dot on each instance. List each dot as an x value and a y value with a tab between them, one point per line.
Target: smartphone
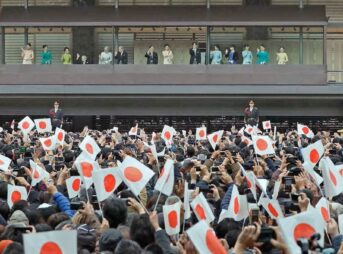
215	169
294	197
288	181
266	235
76	205
223	153
254	215
198	169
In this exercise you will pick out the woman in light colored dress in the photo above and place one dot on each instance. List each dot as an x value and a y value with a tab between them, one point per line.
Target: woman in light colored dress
247	55
216	55
27	54
281	56
167	55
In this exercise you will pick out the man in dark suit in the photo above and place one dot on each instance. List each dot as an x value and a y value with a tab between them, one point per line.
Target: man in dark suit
195	54
121	56
56	116
251	114
151	55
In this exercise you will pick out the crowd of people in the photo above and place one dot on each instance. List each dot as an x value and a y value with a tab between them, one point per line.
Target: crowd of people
230	56
219	171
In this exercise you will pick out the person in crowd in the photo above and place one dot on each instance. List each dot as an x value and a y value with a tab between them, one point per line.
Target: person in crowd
78	58
195	54
231	55
281	56
262	55
46	56
105	56
251	114
127	223
247	55
151	56
27	54
216	55
84	59
121	56
66	56
56	115
167	54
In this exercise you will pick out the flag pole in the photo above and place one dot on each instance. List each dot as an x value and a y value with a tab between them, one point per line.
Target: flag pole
140	201
158	199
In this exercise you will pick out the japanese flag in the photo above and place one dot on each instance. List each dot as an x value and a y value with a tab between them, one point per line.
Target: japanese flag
171	215
53	242
43	125
313	153
301	225
276	189
106	181
168	133
202	209
90	147
272	207
333	184
49	143
15	193
4	163
266	125
205	240
59	136
251	182
26	125
323	207
249	129
86	166
214	138
134	131
246	140
73	186
165	182
12	124
316	177
241	131
186	197
201	133
135	174
238	206
263	145
38	173
304	130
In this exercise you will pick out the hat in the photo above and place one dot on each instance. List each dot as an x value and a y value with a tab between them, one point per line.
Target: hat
109	239
18	217
4	244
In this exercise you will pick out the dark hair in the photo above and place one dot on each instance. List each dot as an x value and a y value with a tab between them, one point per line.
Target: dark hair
262	45
65	48
12	233
246	45
43	227
3	190
165	45
195	42
28	44
127	246
14	248
33	215
115	211
142	231
150	46
56	219
19	205
153	248
44	46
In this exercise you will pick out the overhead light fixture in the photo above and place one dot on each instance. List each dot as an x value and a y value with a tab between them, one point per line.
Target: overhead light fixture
62	29
188	29
142	28
15	29
105	29
200	29
154	29
282	29
38	29
177	29
129	29
223	28
235	29
165	29
307	29
50	29
295	29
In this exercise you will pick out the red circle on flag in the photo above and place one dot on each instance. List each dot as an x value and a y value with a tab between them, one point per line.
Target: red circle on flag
36	174
246	141
16	196
200	212
249	130
215	138
248	183
267	125
261	144
236	205
333	178
87	169
305	130
47	142
172	219
89	148
60	136
76	184
167	135
133	174
109	182
50	248
2	162
213	244
202	133
341	172
25	125
42	125
314	156
272	210
303	230
325	213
